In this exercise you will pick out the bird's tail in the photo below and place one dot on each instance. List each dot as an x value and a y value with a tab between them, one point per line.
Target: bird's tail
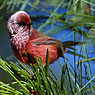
69	44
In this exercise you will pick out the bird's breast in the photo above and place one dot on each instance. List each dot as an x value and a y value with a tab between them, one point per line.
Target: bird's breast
20	40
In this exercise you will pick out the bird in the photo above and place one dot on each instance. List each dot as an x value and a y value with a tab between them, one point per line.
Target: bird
28	43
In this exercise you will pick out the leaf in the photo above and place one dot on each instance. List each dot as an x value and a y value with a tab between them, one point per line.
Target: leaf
76	54
47	63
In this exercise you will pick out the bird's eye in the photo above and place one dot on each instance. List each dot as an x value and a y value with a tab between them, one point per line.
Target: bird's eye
21	23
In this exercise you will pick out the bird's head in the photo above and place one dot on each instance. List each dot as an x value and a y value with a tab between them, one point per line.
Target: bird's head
18	21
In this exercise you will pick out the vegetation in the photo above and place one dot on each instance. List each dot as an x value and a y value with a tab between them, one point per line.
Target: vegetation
36	79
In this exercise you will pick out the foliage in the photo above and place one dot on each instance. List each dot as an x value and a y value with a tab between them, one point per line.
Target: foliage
79	16
38	82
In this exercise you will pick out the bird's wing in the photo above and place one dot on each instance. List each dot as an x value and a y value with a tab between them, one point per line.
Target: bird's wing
47	41
39	38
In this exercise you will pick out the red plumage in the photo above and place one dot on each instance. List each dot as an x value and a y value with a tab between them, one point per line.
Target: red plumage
28	43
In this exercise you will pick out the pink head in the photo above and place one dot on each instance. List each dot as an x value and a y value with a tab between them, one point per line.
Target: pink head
19	27
18	20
